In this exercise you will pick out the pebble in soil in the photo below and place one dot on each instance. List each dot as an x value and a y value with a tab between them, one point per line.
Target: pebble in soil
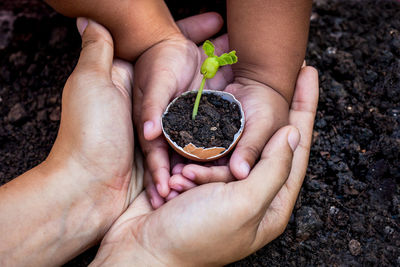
215	125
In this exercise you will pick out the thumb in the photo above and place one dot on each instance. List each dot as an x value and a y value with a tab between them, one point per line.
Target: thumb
271	172
157	93
97	48
200	27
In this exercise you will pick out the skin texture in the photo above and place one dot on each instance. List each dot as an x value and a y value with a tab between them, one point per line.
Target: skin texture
277	46
148	21
162	73
218	223
263	79
92	175
92	172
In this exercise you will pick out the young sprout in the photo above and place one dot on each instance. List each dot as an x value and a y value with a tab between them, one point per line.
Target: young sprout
210	67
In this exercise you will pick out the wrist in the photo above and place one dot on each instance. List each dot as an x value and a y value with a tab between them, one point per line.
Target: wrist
275	76
89	205
122	245
144	24
274	94
63	220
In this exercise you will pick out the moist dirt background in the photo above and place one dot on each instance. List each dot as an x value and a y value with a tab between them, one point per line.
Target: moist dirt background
348	210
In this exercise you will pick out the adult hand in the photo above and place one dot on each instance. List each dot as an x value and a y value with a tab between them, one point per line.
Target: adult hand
89	178
96	129
163	72
218	223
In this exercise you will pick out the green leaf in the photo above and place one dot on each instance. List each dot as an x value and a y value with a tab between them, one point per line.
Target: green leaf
233	56
227	59
208	48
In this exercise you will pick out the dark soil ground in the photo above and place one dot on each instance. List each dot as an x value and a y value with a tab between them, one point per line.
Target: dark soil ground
216	123
348	210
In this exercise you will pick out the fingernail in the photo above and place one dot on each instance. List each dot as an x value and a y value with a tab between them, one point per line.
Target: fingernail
147	128
190	175
244	169
293	139
81	24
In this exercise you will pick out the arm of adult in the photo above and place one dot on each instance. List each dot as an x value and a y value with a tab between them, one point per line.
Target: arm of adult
135	25
67	203
218	223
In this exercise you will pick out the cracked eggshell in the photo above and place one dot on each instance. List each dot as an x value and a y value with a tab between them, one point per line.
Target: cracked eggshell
202	154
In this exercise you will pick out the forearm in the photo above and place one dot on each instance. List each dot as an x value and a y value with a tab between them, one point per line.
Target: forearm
48	217
135	25
270	37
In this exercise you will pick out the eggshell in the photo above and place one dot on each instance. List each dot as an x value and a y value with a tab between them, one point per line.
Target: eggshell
203	154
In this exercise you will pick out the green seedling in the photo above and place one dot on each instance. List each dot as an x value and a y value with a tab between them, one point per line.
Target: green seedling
210	67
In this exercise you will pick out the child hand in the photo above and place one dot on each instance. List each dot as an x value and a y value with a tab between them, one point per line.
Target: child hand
163	72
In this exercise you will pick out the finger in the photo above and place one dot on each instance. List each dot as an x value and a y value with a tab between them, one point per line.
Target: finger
302	115
271	172
157	159
97	48
202	175
172	195
178	168
155	199
179	183
200	27
157	94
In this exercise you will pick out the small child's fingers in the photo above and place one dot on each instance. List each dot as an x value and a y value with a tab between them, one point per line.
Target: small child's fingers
157	159
180	184
178	168
172	195
202	175
155	199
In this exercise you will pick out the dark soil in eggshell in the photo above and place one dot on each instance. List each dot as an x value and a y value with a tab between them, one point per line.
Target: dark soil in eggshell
215	125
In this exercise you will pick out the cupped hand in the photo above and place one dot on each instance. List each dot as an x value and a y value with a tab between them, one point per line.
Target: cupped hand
96	132
163	72
218	223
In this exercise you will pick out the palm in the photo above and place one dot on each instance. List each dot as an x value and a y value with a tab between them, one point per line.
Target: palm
205	201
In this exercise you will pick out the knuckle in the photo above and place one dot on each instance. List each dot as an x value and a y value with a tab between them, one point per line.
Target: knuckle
96	41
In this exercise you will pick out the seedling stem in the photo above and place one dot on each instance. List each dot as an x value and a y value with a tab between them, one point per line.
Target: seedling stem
210	67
